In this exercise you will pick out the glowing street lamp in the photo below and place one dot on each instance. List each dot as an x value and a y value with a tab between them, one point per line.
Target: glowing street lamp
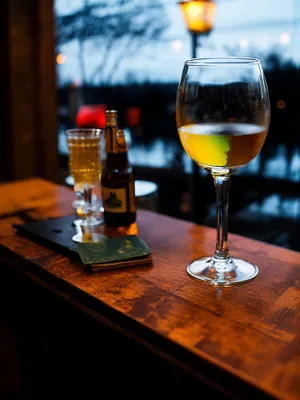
60	58
285	38
199	18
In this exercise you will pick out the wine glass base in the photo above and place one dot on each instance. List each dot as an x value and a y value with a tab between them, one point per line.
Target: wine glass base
203	269
88	238
93	222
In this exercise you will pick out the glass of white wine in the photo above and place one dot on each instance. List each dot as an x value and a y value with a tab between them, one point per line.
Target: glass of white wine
84	146
222	116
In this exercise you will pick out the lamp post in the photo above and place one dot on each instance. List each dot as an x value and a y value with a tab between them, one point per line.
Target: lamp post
198	16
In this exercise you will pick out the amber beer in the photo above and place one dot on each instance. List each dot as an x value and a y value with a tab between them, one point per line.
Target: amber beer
228	145
117	181
84	159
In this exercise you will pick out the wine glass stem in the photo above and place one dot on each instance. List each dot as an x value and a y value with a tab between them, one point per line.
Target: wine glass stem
222	184
87	195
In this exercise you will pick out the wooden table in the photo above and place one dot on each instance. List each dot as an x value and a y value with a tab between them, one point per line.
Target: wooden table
153	326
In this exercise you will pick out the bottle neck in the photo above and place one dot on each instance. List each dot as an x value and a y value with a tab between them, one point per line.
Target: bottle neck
111	139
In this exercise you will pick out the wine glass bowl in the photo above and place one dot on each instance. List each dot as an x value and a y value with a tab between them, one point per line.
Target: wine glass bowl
84	156
222	116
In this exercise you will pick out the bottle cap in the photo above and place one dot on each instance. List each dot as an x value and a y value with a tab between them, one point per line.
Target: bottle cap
111	117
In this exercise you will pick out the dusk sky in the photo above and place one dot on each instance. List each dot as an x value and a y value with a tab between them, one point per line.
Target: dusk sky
249	28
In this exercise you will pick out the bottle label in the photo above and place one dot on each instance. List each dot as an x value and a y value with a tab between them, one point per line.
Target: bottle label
114	200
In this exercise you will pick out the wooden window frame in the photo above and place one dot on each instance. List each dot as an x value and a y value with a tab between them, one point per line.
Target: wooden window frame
28	142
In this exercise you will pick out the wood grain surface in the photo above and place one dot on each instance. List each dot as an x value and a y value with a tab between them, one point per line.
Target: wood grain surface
243	339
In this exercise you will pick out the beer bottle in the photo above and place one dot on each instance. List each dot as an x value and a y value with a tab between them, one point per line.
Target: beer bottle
117	181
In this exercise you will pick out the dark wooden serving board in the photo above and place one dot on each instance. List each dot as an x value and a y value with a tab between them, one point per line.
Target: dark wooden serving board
55	233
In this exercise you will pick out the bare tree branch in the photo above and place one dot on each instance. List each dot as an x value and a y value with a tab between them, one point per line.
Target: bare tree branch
138	22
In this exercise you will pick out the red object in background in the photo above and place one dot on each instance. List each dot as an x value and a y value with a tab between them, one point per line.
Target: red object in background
133	116
92	116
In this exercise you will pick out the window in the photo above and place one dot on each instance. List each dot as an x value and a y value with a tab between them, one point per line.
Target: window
129	55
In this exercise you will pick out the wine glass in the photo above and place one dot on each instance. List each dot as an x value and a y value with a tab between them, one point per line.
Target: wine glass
222	116
84	146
